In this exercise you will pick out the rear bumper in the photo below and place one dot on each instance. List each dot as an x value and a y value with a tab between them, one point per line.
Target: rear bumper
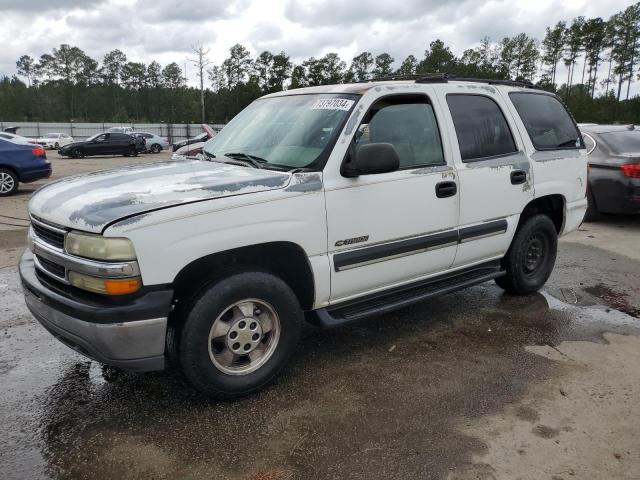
614	193
134	344
39	173
574	214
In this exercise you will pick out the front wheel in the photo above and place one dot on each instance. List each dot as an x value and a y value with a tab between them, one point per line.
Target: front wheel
155	148
77	153
531	256
239	334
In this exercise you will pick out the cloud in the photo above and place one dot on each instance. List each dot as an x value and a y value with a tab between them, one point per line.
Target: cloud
163	30
45	5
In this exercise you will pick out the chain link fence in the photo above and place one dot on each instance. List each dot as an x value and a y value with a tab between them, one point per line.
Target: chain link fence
80	131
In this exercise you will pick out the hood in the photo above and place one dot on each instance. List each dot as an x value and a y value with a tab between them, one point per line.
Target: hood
91	202
69	146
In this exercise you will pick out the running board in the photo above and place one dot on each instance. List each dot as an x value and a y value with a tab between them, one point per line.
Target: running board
399	297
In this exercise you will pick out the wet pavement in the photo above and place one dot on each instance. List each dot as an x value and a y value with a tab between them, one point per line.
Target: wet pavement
393	397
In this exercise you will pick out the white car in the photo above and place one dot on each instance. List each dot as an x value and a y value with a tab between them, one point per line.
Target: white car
330	203
154	143
54	140
127	130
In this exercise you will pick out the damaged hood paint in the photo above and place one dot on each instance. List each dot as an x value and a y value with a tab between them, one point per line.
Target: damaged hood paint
91	202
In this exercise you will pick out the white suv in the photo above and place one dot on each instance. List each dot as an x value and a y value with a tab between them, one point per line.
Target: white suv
329	203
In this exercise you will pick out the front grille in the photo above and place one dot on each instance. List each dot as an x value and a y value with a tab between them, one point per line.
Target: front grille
52	237
51	267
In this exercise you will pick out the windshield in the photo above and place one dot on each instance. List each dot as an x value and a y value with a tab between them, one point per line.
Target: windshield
289	132
51	135
623	142
93	137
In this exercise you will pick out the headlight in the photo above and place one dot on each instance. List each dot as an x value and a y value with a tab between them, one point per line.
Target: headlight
98	247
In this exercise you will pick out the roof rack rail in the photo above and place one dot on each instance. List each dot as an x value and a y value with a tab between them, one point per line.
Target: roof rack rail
445	77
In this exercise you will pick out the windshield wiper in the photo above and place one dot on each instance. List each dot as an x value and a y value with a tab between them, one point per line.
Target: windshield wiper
251	159
208	154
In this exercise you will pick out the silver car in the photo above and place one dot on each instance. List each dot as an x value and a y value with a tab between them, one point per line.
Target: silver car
154	143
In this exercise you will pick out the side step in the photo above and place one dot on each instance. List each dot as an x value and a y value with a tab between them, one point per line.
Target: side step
399	297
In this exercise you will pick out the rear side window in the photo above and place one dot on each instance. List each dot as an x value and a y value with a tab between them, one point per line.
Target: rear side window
481	128
409	124
622	142
548	123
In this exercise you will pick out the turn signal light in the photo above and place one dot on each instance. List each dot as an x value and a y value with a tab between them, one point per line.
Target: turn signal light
631	170
107	286
38	151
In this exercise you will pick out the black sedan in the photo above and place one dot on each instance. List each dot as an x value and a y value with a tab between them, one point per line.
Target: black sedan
614	169
104	144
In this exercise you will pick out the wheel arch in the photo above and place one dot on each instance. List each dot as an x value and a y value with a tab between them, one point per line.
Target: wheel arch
553	205
287	260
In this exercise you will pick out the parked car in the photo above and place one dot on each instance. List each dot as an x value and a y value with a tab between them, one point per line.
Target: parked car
331	203
193	149
12	137
201	138
20	162
104	144
614	169
54	140
127	130
153	143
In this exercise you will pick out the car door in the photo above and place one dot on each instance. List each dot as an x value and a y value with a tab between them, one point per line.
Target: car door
97	145
493	168
393	228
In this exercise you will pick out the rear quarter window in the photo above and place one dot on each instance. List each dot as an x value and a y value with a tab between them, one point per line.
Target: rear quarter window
548	123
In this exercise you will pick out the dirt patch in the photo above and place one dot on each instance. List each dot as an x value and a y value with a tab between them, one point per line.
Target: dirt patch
613	299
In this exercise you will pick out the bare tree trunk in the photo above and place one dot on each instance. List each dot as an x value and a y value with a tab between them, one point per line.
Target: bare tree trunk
631	64
201	63
584	66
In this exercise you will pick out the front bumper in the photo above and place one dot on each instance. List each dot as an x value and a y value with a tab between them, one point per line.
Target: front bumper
106	333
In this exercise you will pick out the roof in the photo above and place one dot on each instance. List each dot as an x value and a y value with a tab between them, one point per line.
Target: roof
359	88
606	128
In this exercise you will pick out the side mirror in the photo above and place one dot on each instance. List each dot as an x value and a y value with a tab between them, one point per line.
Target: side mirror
372	158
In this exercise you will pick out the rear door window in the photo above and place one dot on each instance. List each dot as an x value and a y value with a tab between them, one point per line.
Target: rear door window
547	121
622	141
481	127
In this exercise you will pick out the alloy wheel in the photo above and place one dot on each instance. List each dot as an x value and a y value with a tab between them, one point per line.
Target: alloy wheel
244	337
7	182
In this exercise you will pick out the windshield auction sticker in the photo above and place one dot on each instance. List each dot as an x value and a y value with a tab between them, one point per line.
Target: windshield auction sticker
332	104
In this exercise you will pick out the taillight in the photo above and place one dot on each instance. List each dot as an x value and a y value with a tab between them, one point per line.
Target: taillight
38	152
631	170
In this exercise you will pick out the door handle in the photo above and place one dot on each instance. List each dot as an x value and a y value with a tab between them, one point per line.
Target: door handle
518	177
446	189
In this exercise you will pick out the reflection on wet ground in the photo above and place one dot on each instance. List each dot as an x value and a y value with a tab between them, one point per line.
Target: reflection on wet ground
381	399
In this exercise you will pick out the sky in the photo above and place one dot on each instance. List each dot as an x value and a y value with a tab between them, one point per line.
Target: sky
164	30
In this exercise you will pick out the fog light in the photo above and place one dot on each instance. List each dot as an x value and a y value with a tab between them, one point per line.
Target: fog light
107	286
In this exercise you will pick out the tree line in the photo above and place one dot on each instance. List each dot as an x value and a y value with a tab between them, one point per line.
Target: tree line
600	58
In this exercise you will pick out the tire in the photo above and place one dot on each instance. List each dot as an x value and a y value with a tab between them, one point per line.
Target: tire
8	182
155	148
592	214
131	152
56	146
77	153
531	256
242	305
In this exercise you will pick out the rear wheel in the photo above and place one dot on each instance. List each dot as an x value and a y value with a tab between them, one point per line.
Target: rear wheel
56	146
131	152
239	334
531	256
592	214
8	182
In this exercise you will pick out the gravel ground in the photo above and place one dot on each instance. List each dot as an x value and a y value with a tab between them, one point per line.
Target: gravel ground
473	385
